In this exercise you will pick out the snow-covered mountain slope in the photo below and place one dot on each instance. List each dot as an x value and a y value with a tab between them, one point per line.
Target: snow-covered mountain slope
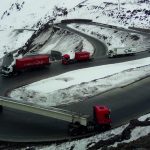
57	39
18	14
28	13
115	38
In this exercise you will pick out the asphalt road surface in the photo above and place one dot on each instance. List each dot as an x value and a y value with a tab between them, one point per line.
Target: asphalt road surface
125	103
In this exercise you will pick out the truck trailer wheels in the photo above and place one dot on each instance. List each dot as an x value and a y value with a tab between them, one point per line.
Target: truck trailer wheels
75	129
1	108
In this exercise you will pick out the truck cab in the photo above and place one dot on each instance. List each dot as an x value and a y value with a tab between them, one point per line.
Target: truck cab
102	116
77	57
6	69
65	59
101	122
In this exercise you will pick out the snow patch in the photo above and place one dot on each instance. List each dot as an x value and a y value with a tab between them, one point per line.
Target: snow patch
76	85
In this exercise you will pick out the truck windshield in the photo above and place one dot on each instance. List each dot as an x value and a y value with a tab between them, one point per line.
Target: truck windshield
107	116
7	60
5	68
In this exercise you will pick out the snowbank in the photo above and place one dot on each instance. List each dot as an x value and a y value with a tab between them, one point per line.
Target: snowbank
124	134
80	84
114	38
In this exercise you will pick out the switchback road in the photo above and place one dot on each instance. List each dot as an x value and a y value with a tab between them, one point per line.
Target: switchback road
126	103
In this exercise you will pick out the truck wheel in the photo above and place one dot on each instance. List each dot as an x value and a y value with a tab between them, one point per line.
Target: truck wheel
111	55
74	129
91	127
71	130
91	59
1	108
15	73
107	127
133	54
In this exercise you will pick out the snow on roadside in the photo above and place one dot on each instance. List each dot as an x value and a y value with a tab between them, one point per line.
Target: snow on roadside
86	143
60	40
113	37
76	85
136	134
83	144
13	39
142	118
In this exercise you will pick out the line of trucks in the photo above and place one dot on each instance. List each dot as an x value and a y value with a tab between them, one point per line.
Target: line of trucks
13	65
78	124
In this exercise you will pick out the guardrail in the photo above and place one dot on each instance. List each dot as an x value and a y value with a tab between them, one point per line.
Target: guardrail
49	112
140	29
76	20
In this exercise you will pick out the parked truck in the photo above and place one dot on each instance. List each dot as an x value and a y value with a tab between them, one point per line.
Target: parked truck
77	123
120	51
12	65
79	56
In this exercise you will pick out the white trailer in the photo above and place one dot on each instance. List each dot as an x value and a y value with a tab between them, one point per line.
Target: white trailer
121	51
78	123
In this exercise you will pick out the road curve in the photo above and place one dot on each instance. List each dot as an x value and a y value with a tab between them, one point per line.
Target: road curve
126	103
22	126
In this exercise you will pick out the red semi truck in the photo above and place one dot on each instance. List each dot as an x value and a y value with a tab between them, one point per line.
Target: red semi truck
79	123
27	62
79	56
100	121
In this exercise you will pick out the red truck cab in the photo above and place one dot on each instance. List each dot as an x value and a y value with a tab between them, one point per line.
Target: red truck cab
102	115
79	56
101	122
65	59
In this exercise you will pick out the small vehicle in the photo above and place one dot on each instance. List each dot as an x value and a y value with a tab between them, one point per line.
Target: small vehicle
122	51
79	56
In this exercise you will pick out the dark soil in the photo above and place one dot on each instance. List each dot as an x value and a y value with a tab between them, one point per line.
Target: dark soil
142	143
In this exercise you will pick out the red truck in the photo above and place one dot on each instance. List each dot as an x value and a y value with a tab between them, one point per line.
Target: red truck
78	123
27	62
100	121
79	56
